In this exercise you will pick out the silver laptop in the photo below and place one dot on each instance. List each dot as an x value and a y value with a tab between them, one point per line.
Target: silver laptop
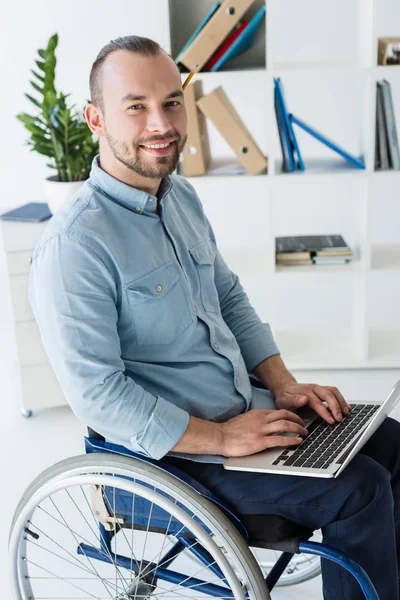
327	449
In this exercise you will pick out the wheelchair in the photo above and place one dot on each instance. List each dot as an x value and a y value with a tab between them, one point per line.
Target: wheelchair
113	524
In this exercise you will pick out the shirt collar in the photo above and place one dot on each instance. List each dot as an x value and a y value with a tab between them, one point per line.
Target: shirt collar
132	198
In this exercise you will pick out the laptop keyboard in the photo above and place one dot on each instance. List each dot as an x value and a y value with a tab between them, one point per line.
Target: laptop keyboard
325	442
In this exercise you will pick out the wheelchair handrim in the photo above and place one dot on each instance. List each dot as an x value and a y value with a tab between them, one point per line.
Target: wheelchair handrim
60	480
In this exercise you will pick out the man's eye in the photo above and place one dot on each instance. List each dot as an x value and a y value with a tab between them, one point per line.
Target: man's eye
173	103
136	106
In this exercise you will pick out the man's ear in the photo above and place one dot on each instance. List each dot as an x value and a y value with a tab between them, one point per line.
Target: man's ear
94	119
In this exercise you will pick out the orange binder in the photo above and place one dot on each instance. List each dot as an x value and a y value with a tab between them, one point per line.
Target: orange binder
196	154
218	108
214	33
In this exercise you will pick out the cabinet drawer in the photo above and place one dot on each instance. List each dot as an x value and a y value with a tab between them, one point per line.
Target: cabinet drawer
19	263
29	344
20	299
40	388
18	235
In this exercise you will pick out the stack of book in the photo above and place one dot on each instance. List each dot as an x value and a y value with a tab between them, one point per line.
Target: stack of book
387	154
222	35
311	250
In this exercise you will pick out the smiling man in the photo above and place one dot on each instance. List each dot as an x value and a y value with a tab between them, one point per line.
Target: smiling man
153	338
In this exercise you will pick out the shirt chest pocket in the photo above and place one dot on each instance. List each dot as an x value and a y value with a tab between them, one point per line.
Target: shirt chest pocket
203	255
159	307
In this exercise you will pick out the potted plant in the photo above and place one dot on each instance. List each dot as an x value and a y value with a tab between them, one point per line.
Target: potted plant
58	131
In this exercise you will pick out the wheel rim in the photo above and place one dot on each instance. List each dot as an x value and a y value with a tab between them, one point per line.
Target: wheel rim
121	588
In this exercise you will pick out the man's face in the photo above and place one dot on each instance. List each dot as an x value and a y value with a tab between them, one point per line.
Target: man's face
143	106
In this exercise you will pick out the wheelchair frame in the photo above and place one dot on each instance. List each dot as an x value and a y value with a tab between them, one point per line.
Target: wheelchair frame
298	545
204	550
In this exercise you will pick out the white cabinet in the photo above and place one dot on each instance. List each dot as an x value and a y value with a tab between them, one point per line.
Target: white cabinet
39	387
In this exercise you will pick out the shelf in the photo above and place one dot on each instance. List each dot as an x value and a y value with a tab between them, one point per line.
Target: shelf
222	168
321	167
355	267
385	257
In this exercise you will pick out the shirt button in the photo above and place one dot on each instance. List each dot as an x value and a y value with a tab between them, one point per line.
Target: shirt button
216	346
138	209
150	199
195	309
237	382
159	288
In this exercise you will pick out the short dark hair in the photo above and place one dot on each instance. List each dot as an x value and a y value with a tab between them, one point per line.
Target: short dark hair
133	43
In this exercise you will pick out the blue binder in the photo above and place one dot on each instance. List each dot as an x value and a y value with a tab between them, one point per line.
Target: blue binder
284	125
352	159
194	35
244	41
292	136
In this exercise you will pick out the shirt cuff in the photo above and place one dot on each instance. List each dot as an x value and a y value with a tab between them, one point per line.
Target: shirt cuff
257	345
166	426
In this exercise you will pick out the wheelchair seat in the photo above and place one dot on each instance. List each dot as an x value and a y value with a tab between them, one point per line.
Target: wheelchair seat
278	532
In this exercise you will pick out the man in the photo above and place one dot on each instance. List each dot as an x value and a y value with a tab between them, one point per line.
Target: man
153	338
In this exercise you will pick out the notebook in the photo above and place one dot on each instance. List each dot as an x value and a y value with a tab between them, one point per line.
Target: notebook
327	449
33	211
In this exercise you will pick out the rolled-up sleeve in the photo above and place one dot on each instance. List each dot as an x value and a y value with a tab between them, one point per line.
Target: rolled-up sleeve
254	337
74	299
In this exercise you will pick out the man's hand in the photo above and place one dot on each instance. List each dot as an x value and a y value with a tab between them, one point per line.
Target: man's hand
259	429
291	396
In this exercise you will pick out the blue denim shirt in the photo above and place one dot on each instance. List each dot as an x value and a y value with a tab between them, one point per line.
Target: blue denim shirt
141	318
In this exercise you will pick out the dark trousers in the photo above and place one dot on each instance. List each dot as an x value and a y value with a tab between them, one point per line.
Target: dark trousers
359	512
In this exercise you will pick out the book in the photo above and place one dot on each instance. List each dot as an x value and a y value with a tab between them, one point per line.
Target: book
196	153
216	58
311	243
390	124
33	212
286	118
284	149
357	162
196	32
217	107
243	41
287	151
382	157
214	33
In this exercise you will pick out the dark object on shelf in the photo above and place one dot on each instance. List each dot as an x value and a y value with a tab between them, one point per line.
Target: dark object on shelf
311	249
391	139
32	212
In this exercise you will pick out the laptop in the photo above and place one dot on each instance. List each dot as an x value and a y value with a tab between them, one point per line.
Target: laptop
327	449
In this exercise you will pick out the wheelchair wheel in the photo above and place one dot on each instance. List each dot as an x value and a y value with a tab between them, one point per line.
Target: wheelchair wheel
108	526
301	568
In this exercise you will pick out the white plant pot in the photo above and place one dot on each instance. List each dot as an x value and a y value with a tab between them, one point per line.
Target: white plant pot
57	193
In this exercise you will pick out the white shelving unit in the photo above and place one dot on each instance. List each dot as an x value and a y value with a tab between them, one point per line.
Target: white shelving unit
338	317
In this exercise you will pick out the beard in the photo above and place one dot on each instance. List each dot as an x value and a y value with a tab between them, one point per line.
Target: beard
155	167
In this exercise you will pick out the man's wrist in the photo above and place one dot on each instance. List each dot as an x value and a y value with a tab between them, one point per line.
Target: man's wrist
274	374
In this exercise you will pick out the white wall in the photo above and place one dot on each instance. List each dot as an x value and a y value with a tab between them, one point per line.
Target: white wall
84	27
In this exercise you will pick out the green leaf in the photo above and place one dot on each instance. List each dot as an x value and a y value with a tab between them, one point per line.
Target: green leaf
41	65
37	88
36	102
42	53
37	75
